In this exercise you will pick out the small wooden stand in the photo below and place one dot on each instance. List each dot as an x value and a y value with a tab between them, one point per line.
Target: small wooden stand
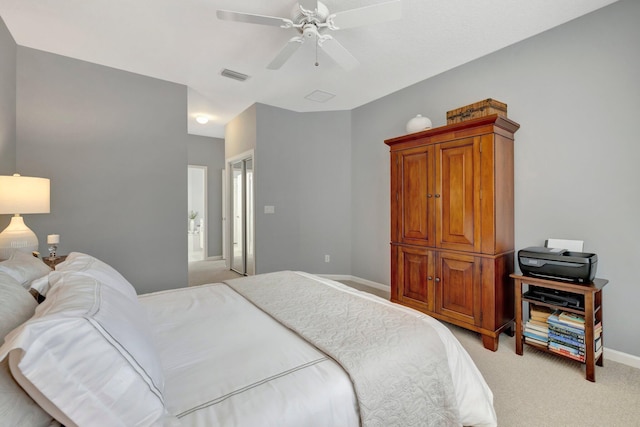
592	293
53	262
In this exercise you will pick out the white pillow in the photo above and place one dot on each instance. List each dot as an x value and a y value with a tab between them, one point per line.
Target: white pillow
24	267
88	355
16	407
86	265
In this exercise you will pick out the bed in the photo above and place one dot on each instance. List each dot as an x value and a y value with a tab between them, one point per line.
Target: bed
278	349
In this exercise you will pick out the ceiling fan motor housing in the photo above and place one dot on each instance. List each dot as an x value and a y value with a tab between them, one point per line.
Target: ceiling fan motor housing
298	16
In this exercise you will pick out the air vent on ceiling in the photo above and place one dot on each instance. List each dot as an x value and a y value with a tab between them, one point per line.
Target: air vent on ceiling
319	96
234	75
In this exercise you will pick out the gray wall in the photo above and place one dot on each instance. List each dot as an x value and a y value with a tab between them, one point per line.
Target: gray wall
114	145
209	152
240	134
575	92
303	165
7	106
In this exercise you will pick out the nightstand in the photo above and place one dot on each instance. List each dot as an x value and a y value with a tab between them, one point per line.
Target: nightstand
53	262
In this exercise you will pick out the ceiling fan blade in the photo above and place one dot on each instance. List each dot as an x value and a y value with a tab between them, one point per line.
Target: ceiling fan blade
338	53
286	52
374	14
309	5
251	18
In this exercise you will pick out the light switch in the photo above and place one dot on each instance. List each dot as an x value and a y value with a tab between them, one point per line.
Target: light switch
269	209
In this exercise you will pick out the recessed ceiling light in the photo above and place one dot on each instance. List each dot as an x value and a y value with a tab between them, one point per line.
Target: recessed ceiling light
203	120
319	96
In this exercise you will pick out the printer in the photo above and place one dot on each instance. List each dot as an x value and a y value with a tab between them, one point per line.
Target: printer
558	264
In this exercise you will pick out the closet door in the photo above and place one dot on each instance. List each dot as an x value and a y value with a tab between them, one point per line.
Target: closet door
237	217
242	222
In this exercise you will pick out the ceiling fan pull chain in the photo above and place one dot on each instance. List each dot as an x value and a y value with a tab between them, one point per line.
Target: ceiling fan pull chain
317	42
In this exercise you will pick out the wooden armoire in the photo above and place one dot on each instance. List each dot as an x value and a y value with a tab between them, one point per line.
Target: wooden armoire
452	226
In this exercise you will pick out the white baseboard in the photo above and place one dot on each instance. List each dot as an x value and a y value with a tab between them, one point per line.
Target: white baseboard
370	283
609	354
620	357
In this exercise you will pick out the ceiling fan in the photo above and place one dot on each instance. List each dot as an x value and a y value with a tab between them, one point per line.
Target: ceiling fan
312	20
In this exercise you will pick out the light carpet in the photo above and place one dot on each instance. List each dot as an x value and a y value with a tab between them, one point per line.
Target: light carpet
539	389
209	271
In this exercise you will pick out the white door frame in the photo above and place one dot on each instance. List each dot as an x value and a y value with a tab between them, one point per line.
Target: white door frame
224	214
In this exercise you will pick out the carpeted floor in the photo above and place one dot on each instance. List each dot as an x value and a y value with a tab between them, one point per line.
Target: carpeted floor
536	389
539	389
209	271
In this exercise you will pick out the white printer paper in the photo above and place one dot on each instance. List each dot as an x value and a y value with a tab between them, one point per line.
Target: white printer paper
570	245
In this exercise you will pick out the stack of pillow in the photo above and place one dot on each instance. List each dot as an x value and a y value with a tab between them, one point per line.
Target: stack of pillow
85	356
16	307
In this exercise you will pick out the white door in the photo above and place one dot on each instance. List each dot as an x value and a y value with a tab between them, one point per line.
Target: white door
197	212
242	216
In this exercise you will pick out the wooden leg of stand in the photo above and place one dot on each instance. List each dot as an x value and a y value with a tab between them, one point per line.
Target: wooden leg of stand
518	314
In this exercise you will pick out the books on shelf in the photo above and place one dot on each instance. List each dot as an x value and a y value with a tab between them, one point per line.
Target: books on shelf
572	319
543	330
539	313
536	336
536	329
559	321
561	332
567	351
535	341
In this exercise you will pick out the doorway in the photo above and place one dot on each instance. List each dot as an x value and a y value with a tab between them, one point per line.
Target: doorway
242	215
197	212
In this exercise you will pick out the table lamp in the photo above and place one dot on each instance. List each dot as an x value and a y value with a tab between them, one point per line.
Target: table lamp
21	195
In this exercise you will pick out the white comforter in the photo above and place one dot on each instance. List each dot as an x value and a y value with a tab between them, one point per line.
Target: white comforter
228	363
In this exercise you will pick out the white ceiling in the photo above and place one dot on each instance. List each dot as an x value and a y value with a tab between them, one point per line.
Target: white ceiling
183	41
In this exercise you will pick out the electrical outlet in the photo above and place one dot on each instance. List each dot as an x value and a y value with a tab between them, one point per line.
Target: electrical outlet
327	258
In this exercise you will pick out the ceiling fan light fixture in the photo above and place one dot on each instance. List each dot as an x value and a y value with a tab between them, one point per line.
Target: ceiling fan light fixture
312	19
235	75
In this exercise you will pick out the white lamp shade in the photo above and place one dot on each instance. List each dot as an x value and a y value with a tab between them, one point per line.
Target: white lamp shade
24	195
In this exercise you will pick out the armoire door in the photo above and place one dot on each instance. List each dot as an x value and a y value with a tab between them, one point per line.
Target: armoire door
458	279
414	199
458	195
415	277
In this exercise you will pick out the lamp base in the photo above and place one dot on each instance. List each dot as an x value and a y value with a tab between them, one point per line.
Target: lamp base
17	236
